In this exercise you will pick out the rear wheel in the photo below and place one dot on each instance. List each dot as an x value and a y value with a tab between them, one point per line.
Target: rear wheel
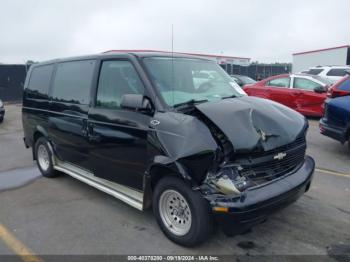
1	119
43	157
182	214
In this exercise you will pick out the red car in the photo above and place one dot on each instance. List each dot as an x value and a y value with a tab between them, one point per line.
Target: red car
303	93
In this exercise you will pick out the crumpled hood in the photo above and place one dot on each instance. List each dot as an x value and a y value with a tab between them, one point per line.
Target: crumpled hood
249	122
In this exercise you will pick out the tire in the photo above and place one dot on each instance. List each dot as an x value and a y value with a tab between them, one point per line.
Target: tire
1	119
43	156
172	220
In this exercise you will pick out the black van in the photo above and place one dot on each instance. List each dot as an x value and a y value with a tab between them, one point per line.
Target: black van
168	131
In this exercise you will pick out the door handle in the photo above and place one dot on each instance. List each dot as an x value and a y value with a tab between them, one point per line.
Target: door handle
84	132
91	134
94	138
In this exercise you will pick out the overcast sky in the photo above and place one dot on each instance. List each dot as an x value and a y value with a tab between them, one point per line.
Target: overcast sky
264	30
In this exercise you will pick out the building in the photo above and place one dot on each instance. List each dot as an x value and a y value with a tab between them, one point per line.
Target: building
339	55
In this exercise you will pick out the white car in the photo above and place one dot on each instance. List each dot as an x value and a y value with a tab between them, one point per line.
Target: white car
333	73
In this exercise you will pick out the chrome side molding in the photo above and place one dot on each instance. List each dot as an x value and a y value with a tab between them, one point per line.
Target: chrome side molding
130	196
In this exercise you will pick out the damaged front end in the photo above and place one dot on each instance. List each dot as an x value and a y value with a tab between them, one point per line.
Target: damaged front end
247	156
259	171
242	171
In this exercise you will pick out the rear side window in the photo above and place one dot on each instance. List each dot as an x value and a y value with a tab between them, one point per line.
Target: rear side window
117	78
279	82
337	72
73	81
314	71
306	84
345	86
39	82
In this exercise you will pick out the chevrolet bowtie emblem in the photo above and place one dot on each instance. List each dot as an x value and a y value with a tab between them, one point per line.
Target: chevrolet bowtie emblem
280	156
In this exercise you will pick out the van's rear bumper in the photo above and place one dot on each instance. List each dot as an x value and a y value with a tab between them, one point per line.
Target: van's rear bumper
256	204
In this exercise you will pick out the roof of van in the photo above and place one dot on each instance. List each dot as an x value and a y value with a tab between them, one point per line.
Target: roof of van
121	54
169	52
151	53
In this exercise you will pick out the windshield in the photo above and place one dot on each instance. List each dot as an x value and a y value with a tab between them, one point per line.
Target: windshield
185	79
324	80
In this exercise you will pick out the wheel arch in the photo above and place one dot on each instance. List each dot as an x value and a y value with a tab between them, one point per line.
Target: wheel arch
160	169
38	132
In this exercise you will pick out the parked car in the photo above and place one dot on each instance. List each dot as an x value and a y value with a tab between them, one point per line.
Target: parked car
127	125
340	88
336	120
206	75
2	111
333	73
242	80
303	93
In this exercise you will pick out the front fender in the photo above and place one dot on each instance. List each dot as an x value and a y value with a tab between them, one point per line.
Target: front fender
166	163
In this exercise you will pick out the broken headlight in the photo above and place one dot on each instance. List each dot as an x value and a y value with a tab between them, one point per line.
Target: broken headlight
228	181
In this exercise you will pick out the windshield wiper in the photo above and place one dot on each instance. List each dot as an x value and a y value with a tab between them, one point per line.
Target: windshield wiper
191	102
231	96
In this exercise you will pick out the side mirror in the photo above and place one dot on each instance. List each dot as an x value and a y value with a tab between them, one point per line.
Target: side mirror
320	89
136	102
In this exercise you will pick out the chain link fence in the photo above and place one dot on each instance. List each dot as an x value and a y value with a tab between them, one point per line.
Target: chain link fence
258	71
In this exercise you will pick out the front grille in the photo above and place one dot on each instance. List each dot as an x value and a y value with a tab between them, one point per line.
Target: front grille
265	166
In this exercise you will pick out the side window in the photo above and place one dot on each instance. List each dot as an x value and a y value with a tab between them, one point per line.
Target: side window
72	82
39	82
314	71
337	72
117	78
279	82
306	84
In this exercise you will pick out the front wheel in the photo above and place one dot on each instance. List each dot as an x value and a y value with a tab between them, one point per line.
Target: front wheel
182	214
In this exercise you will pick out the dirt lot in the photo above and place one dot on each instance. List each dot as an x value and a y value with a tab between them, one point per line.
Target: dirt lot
64	216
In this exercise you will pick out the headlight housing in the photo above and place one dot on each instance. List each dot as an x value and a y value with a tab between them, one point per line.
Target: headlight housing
228	181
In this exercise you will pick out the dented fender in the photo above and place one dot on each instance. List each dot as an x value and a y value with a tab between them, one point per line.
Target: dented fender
174	167
184	145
